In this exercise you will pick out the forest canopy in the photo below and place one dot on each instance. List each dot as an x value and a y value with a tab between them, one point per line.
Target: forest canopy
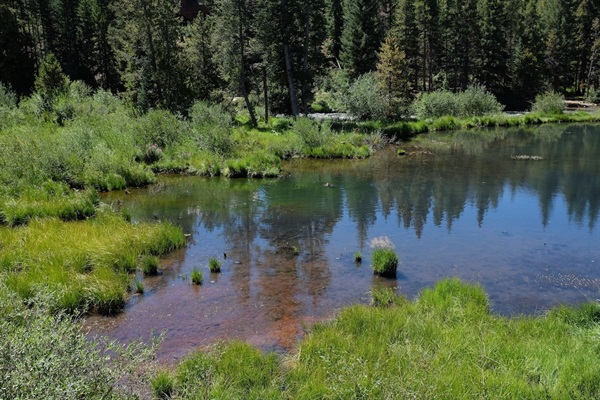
169	54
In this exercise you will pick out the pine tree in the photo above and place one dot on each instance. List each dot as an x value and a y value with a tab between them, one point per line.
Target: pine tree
407	33
391	70
361	37
493	57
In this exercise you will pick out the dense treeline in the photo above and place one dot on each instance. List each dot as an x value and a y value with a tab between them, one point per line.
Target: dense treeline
297	50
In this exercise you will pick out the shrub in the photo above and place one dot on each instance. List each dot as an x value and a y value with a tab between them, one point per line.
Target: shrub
592	97
311	132
149	265
214	265
196	276
45	356
365	99
548	103
385	262
476	101
8	99
435	104
211	127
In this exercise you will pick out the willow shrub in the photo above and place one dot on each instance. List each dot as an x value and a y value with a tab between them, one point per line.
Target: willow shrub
47	356
548	103
474	101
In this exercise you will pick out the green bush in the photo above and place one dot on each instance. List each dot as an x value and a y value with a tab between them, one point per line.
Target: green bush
436	104
548	103
211	127
477	101
45	356
312	133
593	96
8	99
365	99
385	262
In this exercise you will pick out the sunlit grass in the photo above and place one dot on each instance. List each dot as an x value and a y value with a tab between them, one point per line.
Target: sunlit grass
84	262
445	344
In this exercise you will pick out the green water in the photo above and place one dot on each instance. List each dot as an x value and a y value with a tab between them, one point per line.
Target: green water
459	204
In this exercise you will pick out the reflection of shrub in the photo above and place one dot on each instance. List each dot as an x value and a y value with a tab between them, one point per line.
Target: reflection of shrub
385	262
548	103
365	99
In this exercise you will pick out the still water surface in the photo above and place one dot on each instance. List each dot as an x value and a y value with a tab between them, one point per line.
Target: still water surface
459	205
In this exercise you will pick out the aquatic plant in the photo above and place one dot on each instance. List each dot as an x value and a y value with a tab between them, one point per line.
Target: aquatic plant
196	276
385	262
214	264
149	265
383	297
358	257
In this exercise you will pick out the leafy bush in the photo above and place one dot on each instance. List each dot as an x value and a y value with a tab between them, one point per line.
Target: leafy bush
365	99
211	127
477	101
385	262
593	96
548	103
44	356
8	99
312	133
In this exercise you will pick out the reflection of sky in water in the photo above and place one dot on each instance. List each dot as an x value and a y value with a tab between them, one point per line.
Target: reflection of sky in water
527	231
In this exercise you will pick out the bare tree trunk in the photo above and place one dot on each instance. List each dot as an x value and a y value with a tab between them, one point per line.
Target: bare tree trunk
266	95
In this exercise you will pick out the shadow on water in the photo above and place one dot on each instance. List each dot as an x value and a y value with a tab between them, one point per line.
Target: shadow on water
459	204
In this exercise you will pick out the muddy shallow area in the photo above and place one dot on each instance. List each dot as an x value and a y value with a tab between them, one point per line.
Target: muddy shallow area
458	204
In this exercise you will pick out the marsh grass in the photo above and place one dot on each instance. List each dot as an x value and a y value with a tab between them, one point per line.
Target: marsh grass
385	262
196	276
137	286
358	257
162	385
84	262
149	264
214	264
444	344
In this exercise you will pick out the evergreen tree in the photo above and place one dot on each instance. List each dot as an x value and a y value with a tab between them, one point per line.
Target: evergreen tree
493	57
407	34
391	70
335	26
361	36
50	81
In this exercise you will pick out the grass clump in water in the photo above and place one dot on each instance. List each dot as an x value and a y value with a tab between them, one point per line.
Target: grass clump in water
214	264
137	286
149	265
385	262
358	257
196	276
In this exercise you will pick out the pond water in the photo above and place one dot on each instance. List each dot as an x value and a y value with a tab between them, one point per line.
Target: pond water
513	210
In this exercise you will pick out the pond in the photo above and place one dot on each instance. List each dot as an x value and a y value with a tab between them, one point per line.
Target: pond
516	211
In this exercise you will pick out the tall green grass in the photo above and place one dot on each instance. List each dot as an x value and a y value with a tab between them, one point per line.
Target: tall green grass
445	344
85	263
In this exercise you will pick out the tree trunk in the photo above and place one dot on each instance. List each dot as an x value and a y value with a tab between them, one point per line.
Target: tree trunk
307	12
242	65
288	63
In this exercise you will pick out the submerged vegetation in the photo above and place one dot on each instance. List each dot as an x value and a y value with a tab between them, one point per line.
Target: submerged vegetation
446	343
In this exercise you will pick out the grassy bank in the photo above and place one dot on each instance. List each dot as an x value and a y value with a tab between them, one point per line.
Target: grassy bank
445	344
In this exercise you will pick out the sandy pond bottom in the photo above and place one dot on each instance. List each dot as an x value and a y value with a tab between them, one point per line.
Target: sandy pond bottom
463	205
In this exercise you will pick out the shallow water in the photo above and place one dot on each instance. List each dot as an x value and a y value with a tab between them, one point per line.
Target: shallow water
460	204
